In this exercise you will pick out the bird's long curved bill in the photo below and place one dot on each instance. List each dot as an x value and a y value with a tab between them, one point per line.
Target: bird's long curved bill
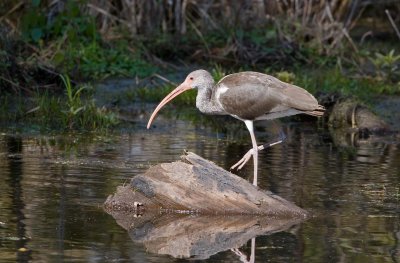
180	89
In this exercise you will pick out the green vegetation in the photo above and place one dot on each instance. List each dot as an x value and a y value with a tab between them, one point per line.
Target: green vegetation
83	114
387	66
72	44
67	112
333	80
98	62
324	47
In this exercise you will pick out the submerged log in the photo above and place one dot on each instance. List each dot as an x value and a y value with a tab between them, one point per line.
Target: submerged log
196	185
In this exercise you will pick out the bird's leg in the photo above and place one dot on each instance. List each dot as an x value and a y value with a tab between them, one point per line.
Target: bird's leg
253	250
243	257
248	155
249	125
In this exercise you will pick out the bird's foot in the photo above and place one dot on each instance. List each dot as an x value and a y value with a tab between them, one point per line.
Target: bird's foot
250	153
243	161
239	253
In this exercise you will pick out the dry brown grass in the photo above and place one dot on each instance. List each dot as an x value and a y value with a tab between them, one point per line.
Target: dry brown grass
324	25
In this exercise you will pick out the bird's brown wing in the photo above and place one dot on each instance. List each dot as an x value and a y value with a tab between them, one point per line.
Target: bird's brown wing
250	95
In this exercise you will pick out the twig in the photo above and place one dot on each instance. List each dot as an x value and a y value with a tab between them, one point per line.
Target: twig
393	24
11	24
209	19
104	12
53	72
160	62
346	34
344	30
10	81
15	84
183	17
198	32
164	79
12	10
59	43
354	6
367	34
355	20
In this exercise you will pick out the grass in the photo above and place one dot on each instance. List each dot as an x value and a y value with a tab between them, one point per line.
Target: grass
75	110
332	80
99	61
71	43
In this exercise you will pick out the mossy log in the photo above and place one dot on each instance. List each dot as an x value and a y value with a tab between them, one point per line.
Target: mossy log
348	113
197	186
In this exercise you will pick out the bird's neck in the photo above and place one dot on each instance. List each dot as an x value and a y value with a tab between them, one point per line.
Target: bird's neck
206	101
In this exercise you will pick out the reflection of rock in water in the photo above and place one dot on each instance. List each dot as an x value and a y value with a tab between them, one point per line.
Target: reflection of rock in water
188	236
369	149
353	126
369	152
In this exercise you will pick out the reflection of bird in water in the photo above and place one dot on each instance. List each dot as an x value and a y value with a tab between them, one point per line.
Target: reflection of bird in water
247	96
244	257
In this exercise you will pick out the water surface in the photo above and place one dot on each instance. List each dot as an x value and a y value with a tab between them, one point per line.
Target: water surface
53	188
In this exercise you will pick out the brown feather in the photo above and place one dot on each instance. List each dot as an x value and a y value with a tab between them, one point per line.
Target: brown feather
252	94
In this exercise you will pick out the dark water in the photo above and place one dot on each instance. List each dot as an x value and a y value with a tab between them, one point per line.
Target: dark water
53	188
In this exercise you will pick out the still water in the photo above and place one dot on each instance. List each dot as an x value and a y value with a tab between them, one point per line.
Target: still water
53	188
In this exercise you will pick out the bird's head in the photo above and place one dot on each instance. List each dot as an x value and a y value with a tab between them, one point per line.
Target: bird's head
197	79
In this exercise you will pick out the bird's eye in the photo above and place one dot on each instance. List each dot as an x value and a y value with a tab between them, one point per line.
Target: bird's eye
191	78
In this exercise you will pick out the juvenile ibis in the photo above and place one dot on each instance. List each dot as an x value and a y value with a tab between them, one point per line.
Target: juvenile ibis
248	96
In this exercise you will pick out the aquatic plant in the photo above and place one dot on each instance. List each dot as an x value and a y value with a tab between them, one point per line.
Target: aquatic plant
387	66
81	113
73	103
75	110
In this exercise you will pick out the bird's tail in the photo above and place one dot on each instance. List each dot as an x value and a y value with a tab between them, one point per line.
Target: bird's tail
318	112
